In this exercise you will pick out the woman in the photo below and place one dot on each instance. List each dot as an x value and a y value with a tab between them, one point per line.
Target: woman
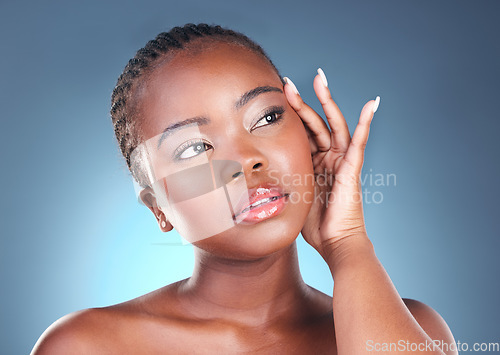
213	135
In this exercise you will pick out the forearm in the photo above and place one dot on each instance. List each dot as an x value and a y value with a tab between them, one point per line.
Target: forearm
367	307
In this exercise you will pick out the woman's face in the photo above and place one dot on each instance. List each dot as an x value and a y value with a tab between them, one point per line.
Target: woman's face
229	126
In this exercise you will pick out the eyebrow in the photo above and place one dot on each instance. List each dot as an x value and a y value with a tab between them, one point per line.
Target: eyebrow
242	101
178	125
249	95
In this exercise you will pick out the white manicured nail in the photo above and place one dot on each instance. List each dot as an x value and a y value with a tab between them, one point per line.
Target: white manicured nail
375	105
289	82
323	76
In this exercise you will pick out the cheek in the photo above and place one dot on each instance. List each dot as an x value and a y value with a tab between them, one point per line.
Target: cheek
202	217
298	174
294	147
199	209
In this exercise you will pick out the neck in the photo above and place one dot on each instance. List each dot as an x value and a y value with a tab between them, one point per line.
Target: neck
250	292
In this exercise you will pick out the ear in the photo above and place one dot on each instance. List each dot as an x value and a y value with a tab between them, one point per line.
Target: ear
148	198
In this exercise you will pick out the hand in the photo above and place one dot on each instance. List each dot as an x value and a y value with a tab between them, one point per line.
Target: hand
337	211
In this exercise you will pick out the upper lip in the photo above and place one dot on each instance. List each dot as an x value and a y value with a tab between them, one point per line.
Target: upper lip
252	195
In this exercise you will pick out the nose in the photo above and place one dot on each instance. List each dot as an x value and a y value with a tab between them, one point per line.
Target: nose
243	158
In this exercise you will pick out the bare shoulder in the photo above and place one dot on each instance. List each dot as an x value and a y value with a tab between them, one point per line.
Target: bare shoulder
108	329
75	331
431	321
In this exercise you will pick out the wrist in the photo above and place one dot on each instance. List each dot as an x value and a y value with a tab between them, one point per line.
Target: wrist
347	251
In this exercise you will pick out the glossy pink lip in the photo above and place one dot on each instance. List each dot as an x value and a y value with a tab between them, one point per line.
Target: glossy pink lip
263	202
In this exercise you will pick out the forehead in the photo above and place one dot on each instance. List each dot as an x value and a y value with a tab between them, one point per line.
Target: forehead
197	83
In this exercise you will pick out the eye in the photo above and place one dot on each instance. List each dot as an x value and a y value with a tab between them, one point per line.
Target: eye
270	117
191	149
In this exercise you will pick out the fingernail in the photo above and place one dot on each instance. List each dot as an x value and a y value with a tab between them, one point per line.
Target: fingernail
323	77
289	82
375	105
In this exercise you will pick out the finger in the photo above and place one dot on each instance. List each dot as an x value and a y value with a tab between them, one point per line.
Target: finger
336	120
312	143
317	126
355	153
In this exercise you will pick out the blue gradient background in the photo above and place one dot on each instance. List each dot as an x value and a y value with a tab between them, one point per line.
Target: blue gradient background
73	235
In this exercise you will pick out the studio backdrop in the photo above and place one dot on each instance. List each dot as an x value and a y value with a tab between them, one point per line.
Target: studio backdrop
74	236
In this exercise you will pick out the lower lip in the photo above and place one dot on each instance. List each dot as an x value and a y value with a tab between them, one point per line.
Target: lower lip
264	211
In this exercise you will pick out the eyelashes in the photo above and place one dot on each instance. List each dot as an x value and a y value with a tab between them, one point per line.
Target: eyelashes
192	148
271	116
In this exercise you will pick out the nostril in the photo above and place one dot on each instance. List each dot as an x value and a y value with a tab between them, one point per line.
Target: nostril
258	165
235	175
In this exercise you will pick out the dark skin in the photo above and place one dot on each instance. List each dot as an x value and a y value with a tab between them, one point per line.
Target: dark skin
246	294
